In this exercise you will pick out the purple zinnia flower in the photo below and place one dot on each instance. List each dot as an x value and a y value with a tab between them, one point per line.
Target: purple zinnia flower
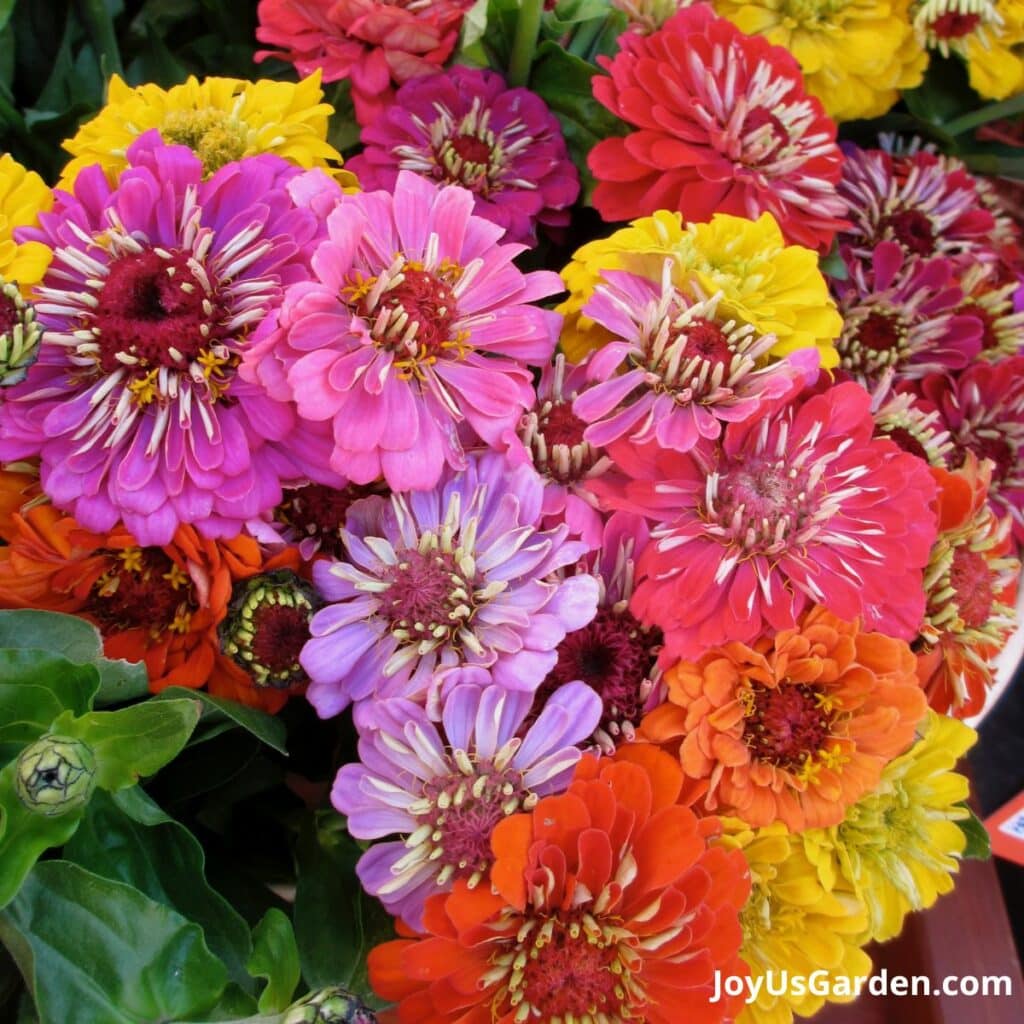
445	790
465	127
413	336
134	406
685	368
446	586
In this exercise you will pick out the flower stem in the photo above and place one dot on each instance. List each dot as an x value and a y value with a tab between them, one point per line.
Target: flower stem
525	41
991	112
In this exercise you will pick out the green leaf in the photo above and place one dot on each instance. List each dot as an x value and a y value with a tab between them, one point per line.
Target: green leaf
336	922
128	838
944	94
568	13
275	956
979	844
94	950
133	742
6	10
832	264
264	727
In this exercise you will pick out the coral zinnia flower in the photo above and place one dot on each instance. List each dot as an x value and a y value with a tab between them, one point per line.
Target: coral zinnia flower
800	506
446	586
723	126
903	313
134	404
158	605
899	846
465	127
23	196
677	369
971	585
776	288
606	903
371	43
414	325
856	56
795	727
445	790
221	119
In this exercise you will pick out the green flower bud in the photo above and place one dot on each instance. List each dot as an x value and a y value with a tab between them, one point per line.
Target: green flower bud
55	775
19	335
330	1006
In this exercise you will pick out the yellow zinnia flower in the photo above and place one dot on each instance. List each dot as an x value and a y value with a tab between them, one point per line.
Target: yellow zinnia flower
995	55
774	287
23	196
899	846
856	55
793	923
222	119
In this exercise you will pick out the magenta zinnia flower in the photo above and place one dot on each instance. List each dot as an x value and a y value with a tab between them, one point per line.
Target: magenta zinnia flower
465	127
685	369
797	507
445	789
414	328
135	406
443	587
903	313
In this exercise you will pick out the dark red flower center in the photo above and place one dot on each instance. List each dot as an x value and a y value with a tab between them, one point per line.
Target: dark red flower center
997	448
472	149
706	340
786	724
562	426
142	588
280	633
912	229
954	25
319	511
908	441
427	301
971	578
154	310
10	316
881	332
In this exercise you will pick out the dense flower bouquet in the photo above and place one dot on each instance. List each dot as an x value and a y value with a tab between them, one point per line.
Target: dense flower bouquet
539	564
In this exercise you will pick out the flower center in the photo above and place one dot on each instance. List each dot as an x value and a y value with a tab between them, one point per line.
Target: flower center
20	334
267	626
911	228
554	435
786	725
909	442
216	136
763	136
319	512
10	314
954	25
811	12
996	447
873	342
471	161
971	577
143	588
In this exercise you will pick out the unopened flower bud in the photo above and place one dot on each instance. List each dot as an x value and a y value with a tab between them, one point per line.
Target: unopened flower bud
55	774
19	335
330	1006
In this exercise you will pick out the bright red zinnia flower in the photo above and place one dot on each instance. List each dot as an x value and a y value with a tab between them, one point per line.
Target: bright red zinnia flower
723	126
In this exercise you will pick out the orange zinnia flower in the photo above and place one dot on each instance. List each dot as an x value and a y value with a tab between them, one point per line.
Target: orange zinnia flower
158	605
606	903
794	728
971	587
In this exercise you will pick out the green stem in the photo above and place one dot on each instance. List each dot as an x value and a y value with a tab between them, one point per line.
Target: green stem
525	41
100	27
584	36
992	112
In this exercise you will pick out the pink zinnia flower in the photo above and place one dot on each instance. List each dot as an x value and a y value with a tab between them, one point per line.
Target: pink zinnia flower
465	127
135	406
723	126
444	789
676	370
903	313
372	43
799	506
413	329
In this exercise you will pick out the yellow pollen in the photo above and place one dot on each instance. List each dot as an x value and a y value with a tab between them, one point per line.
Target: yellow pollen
177	577
131	559
144	389
182	621
215	136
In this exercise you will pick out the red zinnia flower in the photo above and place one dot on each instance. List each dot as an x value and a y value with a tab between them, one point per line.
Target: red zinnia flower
724	126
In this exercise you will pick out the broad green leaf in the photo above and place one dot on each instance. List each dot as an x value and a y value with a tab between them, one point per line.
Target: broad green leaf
275	957
474	24
979	844
944	95
264	727
133	742
128	838
94	950
6	10
567	13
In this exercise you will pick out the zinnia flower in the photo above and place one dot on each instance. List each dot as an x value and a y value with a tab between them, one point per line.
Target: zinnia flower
158	605
911	423
134	404
856	57
463	126
220	119
446	790
723	126
992	304
677	370
606	903
947	25
899	846
23	197
794	727
793	925
445	586
994	67
413	326
775	288
971	587
800	506
371	43
903	313
613	654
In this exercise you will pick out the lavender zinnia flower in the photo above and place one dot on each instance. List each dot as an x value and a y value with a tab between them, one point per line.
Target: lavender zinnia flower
446	790
443	587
